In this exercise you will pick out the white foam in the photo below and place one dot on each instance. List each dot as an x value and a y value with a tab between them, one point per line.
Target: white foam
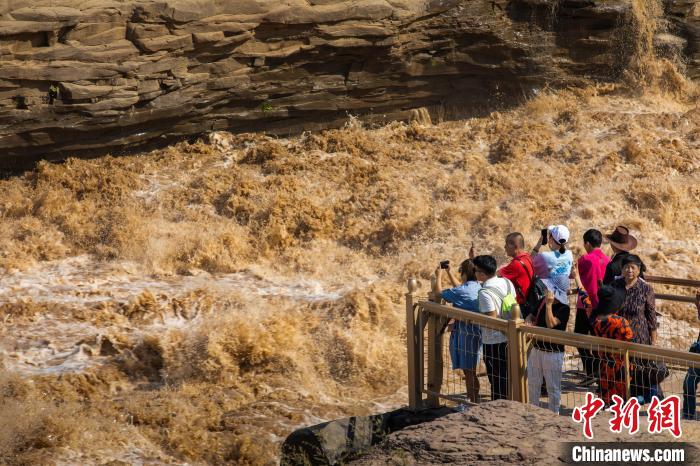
49	345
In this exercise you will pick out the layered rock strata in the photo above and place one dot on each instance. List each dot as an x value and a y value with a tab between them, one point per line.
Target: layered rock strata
104	75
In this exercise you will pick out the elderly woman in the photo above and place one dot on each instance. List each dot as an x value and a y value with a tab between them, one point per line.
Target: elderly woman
639	307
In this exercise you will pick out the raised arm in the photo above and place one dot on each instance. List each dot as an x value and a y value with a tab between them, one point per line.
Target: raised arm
536	249
437	284
453	279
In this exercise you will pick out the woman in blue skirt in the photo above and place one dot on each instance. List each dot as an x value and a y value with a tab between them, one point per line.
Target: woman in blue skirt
465	339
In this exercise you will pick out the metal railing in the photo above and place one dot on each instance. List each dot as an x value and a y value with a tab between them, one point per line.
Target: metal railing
675	282
615	363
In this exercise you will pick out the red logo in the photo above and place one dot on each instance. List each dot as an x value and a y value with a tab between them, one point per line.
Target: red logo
587	412
665	415
626	415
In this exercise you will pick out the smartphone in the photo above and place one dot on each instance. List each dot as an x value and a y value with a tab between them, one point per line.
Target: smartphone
444	264
544	236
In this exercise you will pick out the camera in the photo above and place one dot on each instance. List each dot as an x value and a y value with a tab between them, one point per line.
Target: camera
444	264
544	236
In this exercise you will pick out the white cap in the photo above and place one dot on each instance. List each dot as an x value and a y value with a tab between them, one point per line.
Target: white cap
560	233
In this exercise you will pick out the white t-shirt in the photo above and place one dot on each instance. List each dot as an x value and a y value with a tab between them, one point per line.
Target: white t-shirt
489	301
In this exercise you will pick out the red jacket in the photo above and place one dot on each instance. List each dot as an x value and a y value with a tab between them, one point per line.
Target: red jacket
519	275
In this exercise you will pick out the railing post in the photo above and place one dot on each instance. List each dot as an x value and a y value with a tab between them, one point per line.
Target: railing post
524	345
628	374
516	359
415	377
435	362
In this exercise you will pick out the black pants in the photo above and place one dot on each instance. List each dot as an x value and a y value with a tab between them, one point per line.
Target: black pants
583	326
496	360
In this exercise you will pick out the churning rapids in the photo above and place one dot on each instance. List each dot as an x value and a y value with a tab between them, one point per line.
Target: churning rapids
198	303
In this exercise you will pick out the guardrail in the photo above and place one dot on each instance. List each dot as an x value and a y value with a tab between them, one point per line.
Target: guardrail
675	282
429	381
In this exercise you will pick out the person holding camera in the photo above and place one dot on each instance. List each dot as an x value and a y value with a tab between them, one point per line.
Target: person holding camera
554	266
692	377
465	338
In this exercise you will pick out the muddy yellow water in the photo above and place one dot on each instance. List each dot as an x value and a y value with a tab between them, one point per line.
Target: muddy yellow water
198	303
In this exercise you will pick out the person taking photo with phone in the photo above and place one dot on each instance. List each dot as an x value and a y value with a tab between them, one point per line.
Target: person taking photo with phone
554	266
465	338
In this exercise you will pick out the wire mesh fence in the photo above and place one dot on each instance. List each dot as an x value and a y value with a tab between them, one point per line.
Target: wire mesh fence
618	369
467	357
476	362
676	314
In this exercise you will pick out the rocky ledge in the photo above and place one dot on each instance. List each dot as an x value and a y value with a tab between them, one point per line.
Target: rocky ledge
501	432
86	76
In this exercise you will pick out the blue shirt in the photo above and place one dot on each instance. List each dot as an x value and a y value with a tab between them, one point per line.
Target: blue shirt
548	264
464	296
554	269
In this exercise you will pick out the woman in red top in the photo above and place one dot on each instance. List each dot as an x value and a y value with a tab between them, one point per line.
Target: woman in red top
608	324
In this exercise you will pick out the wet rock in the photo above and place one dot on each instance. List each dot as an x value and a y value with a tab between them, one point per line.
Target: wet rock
107	348
336	441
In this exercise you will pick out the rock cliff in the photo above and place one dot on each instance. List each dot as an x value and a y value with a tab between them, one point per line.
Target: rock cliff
88	76
505	432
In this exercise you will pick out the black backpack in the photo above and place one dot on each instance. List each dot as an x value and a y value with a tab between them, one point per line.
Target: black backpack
535	297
